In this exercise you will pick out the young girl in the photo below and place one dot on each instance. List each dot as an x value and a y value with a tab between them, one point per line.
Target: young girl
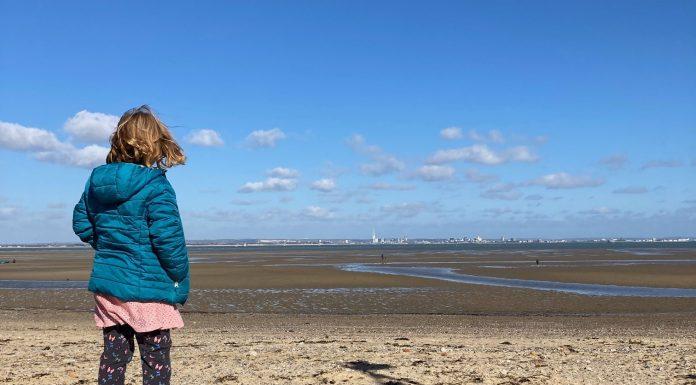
128	214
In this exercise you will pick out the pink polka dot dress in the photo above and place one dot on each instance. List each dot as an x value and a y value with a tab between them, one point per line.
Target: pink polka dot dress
141	316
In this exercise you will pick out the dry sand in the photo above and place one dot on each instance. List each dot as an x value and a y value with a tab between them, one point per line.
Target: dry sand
61	347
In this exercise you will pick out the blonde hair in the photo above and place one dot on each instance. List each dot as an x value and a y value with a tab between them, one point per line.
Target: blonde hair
142	138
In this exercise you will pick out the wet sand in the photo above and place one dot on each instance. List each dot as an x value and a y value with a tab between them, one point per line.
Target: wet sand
278	280
653	275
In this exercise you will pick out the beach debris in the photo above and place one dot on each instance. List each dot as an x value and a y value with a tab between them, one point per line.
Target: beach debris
325	341
225	378
515	381
690	379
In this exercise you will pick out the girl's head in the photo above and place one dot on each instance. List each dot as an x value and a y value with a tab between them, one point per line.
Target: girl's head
142	138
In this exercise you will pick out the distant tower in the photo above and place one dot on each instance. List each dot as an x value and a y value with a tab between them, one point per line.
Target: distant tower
374	236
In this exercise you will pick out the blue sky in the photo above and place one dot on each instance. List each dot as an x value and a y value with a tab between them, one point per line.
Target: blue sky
325	119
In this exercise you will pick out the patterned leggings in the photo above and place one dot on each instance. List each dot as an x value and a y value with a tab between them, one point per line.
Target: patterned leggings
118	352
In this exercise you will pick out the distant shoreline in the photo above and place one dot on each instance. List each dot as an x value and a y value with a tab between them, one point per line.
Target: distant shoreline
690	242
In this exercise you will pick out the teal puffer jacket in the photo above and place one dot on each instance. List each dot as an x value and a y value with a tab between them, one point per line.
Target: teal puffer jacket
128	214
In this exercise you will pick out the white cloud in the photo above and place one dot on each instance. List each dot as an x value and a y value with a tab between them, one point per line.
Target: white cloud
357	142
521	154
631	190
502	191
8	212
662	163
492	136
46	147
324	185
20	138
91	127
482	154
283	172
433	173
478	153
86	157
265	138
495	136
563	180
381	162
389	186
317	212
603	210
279	179
451	133
205	138
270	184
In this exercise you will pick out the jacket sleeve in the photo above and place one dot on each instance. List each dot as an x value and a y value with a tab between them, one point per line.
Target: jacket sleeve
82	223
167	233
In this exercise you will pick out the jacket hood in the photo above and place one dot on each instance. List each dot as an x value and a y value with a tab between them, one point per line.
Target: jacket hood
115	183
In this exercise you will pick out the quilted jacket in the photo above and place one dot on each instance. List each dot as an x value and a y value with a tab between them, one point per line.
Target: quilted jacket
128	214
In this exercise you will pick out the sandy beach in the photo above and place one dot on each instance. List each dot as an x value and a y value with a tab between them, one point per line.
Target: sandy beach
61	347
296	316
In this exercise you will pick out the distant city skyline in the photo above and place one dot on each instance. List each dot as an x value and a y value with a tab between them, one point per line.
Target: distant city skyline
426	120
374	241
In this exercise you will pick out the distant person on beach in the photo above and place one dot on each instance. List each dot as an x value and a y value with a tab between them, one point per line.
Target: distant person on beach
129	215
382	259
